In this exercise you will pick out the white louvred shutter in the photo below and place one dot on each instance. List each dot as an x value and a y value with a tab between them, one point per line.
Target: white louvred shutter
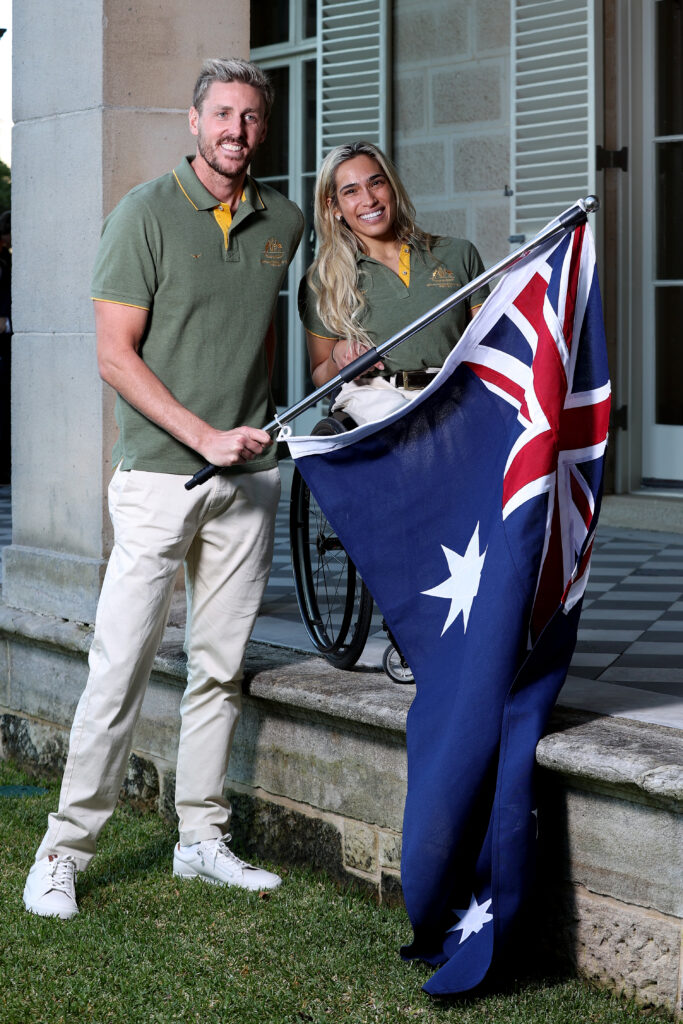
553	108
353	90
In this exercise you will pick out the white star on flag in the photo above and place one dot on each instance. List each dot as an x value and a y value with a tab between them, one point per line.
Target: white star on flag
473	919
463	583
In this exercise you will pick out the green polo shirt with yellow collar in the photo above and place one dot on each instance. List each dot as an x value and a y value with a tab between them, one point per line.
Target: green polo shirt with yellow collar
210	283
393	301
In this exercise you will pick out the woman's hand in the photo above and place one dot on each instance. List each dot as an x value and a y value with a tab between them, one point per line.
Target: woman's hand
344	352
329	355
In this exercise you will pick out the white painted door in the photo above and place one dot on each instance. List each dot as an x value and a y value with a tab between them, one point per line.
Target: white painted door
661	208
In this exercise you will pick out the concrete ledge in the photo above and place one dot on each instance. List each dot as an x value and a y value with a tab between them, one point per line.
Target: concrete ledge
317	773
318	776
644	511
611	853
627	758
52	583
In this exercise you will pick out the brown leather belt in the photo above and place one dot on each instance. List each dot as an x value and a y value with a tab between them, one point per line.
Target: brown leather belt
412	380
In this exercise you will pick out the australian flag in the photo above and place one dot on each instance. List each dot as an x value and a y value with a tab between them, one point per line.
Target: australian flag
470	515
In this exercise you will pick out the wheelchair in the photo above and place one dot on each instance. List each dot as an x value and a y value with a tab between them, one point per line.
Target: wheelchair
335	604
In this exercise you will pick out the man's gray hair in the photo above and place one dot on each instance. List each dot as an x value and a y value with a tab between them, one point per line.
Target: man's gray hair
232	69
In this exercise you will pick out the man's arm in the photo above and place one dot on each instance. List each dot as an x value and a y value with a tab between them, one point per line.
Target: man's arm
120	330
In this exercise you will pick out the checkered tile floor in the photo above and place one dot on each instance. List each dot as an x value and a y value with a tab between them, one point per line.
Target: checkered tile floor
631	629
632	618
629	656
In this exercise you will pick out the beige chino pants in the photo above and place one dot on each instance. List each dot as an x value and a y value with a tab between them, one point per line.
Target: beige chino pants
223	531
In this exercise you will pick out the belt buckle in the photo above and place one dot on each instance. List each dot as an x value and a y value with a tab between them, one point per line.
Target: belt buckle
409	376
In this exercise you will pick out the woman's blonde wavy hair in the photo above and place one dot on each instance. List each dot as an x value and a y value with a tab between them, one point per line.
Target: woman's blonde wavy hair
334	274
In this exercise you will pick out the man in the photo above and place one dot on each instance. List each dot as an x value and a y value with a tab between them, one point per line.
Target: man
185	287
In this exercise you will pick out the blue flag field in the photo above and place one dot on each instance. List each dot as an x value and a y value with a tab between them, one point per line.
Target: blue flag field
470	515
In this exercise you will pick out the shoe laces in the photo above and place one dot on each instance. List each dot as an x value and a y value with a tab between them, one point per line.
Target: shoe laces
219	848
63	873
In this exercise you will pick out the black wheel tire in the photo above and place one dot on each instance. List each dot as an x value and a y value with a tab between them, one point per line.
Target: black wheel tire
335	605
328	426
347	654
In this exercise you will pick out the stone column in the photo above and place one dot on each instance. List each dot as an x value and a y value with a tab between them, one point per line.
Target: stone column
101	93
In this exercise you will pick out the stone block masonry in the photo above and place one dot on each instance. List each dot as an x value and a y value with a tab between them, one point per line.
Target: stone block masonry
318	777
611	853
451	130
317	774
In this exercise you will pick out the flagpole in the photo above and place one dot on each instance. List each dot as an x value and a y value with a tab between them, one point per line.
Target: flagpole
571	218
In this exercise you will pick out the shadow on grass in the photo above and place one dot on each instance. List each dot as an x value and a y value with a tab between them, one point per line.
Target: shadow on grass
109	868
524	967
504	983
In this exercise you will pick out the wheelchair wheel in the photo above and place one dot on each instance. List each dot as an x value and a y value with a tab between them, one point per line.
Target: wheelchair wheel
395	665
335	605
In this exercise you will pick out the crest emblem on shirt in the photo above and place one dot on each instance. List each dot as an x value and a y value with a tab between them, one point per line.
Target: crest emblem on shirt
274	253
442	277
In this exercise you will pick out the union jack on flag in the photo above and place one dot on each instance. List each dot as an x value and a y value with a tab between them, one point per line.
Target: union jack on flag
563	425
470	515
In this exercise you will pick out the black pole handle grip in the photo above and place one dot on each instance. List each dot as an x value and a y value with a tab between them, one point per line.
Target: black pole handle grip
201	476
364	362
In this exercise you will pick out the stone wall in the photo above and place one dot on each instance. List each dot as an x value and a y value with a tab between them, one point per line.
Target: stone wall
611	853
102	91
451	131
317	774
318	777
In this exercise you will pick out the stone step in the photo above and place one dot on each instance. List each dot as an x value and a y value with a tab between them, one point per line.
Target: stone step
318	777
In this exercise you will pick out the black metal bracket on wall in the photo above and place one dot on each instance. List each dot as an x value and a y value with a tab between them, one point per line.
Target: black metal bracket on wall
607	159
618	419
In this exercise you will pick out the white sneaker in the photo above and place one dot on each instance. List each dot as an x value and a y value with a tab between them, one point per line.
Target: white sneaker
50	889
213	861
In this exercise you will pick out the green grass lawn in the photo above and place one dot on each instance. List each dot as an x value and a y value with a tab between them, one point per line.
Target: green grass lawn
148	948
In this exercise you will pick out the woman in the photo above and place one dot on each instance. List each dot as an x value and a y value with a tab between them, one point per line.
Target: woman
376	272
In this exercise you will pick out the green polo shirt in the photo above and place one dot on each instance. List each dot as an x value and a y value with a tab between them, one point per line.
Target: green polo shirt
209	305
391	306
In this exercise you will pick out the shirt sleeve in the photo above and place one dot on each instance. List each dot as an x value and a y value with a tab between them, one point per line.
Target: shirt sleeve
125	266
308	313
475	267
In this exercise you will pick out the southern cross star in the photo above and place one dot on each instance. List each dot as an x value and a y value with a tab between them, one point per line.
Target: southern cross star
461	587
473	919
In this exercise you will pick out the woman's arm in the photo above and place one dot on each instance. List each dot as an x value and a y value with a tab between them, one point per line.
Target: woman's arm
328	355
321	358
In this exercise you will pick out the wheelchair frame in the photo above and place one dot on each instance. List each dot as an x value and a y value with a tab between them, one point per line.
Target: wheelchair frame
335	604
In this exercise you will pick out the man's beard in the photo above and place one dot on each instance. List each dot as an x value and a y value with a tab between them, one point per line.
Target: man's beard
211	159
